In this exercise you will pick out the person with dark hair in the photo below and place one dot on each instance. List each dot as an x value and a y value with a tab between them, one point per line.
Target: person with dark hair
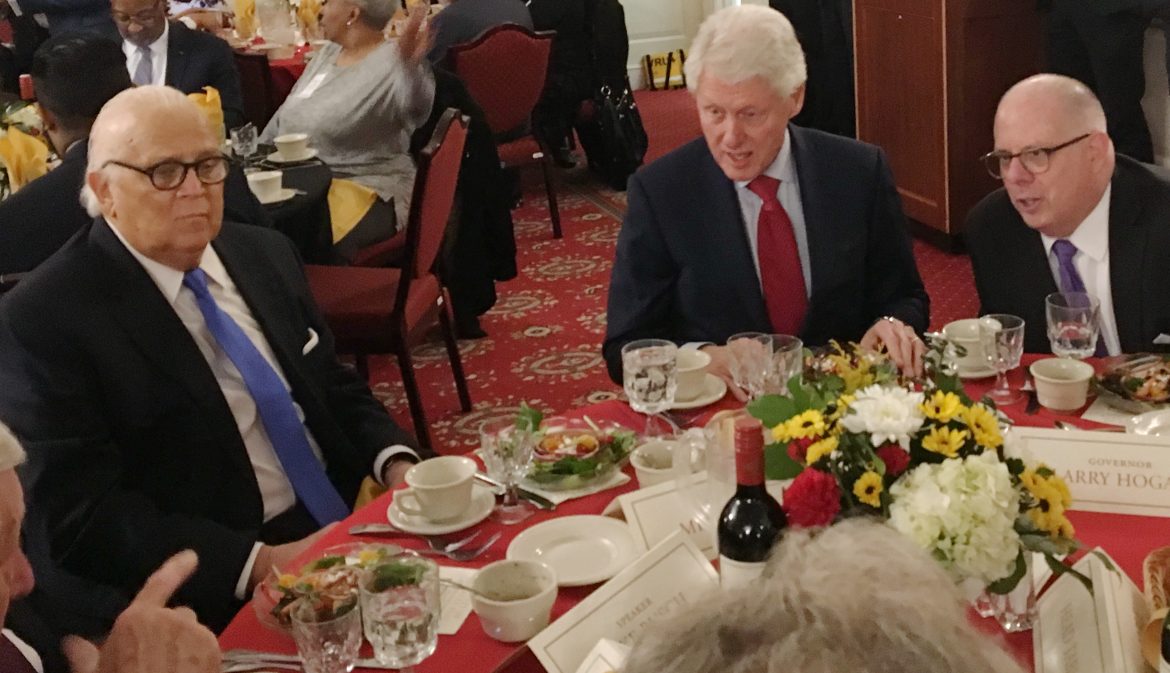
74	75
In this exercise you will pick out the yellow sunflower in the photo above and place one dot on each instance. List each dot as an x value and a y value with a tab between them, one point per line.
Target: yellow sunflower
810	423
943	407
840	407
984	426
821	448
945	441
868	489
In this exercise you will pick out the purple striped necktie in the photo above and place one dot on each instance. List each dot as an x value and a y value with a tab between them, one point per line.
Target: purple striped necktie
1070	279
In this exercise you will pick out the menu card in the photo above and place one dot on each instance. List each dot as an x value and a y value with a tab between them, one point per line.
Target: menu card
455	603
1106	472
607	656
657	512
667	579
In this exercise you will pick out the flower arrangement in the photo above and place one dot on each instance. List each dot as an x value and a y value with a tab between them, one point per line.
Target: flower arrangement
857	439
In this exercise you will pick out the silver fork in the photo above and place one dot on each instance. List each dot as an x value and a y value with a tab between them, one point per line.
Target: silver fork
436	542
465	554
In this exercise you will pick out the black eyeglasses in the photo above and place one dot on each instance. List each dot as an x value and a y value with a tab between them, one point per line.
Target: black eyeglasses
168	175
1035	160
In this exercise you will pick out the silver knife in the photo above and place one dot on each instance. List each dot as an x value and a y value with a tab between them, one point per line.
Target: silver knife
534	498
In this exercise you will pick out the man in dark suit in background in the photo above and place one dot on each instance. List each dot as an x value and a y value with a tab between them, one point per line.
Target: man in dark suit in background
763	226
463	20
173	381
74	75
159	51
825	31
67	16
1071	216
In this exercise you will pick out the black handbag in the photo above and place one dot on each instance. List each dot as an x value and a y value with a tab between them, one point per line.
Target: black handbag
615	140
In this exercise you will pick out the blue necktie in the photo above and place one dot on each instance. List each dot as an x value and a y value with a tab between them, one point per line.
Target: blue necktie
1070	278
275	405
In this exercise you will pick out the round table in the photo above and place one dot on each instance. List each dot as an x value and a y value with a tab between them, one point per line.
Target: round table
305	217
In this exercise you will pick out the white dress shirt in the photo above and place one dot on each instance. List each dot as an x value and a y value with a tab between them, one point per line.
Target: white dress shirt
1092	263
24	648
158	57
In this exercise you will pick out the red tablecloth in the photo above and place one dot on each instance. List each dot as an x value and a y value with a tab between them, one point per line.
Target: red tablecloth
1126	538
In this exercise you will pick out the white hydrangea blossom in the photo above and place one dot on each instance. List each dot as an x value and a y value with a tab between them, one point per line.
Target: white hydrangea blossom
962	511
888	414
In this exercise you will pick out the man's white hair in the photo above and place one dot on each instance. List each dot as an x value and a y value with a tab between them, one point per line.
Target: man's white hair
11	453
857	597
117	119
745	41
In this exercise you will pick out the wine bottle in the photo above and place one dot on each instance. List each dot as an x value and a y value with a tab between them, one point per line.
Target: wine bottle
752	520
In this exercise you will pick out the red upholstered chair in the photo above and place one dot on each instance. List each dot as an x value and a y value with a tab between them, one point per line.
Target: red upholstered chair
504	70
382	310
256	87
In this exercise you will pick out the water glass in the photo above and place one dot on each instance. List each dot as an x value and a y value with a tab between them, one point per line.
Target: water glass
400	609
1016	610
1072	323
649	375
1002	339
787	362
244	142
506	451
327	643
751	361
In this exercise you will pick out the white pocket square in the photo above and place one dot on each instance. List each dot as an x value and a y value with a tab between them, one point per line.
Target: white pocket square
1162	340
311	343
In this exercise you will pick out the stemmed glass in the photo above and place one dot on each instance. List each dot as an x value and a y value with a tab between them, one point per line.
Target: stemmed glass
1072	323
244	142
1002	338
506	449
787	362
751	360
649	376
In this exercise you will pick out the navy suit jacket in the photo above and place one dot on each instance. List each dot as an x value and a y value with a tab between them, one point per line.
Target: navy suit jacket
684	269
196	59
133	453
74	16
1012	274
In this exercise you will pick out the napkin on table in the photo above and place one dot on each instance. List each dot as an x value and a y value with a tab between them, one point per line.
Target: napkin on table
245	11
208	101
307	13
25	157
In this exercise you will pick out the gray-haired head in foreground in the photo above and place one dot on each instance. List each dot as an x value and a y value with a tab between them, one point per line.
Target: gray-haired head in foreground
745	41
856	597
11	453
375	13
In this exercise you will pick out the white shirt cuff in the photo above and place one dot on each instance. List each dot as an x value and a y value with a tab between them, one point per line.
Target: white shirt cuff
242	583
15	7
185	20
388	453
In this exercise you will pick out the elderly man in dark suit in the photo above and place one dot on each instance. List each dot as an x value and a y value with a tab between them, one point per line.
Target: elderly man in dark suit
183	392
159	51
1072	216
761	225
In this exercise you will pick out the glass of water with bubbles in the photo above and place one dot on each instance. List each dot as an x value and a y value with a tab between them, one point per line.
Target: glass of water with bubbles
1072	323
400	609
649	377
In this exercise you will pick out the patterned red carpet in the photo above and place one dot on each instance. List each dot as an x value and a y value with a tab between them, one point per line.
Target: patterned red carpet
544	334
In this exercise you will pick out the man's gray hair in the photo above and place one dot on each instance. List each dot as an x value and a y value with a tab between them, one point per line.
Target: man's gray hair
745	41
858	597
11	453
375	13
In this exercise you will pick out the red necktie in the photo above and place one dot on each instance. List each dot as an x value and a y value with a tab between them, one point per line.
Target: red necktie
780	273
11	659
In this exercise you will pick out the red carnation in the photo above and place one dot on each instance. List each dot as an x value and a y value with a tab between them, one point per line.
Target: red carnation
798	448
812	499
895	458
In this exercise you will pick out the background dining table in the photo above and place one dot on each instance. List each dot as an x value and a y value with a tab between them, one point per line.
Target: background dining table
1126	538
304	217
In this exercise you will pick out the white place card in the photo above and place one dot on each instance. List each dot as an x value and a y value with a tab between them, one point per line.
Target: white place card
607	656
668	578
1107	472
1081	632
657	512
454	603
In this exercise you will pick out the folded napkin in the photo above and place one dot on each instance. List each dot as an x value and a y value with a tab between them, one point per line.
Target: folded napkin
557	497
1156	569
26	158
245	11
348	204
307	13
208	101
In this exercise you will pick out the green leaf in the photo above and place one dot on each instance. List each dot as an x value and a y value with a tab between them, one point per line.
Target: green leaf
327	562
772	410
1006	584
528	419
397	574
778	464
1059	568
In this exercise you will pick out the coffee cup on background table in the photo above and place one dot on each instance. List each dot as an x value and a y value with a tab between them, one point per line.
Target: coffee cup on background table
266	185
292	146
439	489
965	333
1062	384
514	599
691	372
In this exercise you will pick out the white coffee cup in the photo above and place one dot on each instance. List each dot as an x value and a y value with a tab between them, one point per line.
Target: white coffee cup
965	333
266	185
292	146
1062	384
691	372
514	599
439	488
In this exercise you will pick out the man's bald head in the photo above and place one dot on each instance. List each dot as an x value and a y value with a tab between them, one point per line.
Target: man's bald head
1063	100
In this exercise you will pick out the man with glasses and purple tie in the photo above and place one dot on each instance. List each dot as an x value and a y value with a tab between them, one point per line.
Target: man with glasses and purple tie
173	381
1072	217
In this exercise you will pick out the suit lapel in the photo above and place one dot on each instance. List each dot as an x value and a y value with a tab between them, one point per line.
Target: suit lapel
1127	245
176	56
817	221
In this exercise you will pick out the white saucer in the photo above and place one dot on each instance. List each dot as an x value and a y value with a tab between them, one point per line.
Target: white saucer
582	550
284	195
714	388
482	502
968	374
1150	423
278	158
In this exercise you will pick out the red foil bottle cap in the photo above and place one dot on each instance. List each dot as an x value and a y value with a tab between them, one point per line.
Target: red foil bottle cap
749	451
26	87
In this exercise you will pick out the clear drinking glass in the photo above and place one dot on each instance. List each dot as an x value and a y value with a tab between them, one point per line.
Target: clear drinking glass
751	360
1072	323
244	142
787	362
506	451
330	644
649	374
1016	610
400	609
1002	338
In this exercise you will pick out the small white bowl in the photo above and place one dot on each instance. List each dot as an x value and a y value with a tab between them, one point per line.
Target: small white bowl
1062	384
515	598
654	461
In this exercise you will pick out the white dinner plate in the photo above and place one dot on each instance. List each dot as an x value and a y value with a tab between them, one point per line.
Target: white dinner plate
582	550
482	503
714	388
982	373
1150	423
284	195
278	158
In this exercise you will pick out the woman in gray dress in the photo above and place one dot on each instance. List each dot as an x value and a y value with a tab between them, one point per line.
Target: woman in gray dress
359	100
